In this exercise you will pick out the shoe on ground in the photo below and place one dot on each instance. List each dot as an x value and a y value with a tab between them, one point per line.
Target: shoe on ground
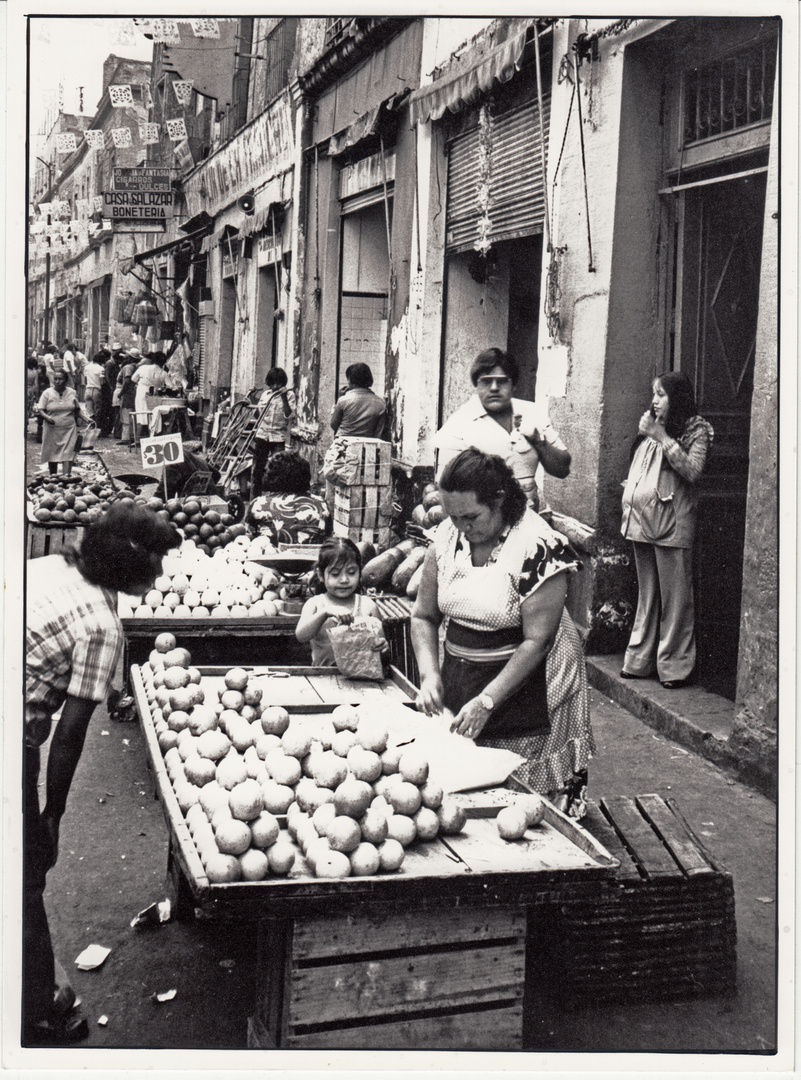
675	684
63	1002
631	675
72	1028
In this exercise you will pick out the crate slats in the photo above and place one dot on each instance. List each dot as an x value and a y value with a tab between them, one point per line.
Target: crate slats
51	539
492	1029
344	934
673	835
363	510
646	848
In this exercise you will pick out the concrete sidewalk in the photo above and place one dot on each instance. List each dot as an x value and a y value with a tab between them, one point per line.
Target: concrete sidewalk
699	720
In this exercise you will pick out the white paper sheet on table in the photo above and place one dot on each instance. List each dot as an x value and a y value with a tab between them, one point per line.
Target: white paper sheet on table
454	761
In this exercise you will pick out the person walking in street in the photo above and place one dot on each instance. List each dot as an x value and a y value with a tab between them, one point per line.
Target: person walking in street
496	422
109	385
68	359
59	408
126	388
94	374
278	404
147	378
659	513
359	413
74	640
42	384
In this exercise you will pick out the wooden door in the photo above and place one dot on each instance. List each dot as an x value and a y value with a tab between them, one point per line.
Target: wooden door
717	293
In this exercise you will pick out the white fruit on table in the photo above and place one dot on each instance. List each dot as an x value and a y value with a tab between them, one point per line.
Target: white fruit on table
254	864
391	855
265	829
281	857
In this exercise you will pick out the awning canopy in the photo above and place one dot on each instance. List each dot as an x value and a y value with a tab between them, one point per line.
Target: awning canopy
462	86
369	123
127	265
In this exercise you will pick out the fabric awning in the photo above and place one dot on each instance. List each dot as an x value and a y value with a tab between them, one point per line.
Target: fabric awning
464	85
367	124
127	265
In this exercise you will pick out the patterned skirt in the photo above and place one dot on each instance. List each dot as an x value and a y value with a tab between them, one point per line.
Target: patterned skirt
556	757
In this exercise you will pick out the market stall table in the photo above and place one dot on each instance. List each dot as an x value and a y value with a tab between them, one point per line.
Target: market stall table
432	956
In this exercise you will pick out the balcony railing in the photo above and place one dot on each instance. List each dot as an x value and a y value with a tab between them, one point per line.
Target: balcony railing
730	94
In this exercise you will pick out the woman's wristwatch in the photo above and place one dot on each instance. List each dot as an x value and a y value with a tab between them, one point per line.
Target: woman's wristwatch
486	701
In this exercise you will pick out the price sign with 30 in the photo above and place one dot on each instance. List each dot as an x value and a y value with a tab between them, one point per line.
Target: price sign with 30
162	450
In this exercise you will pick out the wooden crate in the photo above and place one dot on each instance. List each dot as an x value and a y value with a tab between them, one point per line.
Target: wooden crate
395	613
662	927
363	510
380	980
51	539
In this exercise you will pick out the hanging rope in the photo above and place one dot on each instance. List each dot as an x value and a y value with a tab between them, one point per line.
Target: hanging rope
542	140
591	268
386	205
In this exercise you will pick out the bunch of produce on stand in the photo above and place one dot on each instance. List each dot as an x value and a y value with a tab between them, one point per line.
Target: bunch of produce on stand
227	584
205	520
258	786
72	500
428	511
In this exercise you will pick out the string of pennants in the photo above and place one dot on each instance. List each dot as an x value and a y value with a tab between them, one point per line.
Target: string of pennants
121	97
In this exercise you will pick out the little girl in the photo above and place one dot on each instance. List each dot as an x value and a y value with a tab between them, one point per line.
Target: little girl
336	579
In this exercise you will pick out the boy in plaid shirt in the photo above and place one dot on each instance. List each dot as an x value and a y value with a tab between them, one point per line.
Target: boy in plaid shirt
73	643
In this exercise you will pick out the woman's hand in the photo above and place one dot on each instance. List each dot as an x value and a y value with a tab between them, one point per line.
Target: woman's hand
471	720
430	697
651	427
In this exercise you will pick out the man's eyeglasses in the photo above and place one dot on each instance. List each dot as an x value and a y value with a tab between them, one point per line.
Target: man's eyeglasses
489	382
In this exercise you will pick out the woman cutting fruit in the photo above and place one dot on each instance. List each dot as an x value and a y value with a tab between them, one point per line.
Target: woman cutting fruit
513	674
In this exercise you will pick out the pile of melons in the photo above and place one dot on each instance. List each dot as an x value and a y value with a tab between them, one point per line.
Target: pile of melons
353	801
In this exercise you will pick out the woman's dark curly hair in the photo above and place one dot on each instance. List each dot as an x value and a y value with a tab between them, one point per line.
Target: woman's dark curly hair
488	477
123	549
287	474
681	401
489	359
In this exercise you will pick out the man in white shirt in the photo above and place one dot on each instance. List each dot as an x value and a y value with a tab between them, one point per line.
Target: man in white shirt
95	375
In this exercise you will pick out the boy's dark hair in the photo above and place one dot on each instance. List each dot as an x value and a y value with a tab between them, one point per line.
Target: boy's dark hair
276	377
117	550
335	552
359	375
489	359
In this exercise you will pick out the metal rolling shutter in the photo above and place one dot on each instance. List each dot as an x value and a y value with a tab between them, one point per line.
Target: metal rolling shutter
517	191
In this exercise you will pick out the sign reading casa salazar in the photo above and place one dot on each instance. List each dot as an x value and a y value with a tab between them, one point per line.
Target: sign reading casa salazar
140	196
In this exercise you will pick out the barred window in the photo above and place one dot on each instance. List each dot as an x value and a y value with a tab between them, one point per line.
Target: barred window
338	29
730	94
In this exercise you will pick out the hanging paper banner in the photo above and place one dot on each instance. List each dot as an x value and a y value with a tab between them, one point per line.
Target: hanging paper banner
205	28
60	207
83	208
95	139
183	91
176	129
123	34
45	208
121	97
121	137
97	204
149	134
66	143
165	31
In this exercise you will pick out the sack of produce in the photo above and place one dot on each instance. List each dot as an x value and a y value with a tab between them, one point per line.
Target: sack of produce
357	648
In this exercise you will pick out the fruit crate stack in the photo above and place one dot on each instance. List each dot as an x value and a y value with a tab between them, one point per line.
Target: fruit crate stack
363	510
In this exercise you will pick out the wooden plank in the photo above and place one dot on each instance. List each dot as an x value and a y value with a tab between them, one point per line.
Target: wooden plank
714	862
394	985
646	848
492	1029
365	930
541	848
282	624
673	835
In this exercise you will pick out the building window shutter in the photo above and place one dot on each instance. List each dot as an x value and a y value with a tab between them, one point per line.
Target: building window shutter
517	190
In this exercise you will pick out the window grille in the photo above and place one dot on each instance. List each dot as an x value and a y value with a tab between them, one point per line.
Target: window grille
730	94
338	29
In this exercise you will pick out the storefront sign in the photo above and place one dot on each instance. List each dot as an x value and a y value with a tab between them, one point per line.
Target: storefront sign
261	150
142	179
366	174
146	206
269	249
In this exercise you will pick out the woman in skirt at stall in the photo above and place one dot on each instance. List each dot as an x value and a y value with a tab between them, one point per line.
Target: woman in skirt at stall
513	674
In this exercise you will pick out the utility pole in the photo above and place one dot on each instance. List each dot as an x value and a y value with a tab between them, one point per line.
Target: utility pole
49	168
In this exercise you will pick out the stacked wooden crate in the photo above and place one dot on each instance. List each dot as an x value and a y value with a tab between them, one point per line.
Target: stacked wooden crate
51	539
663	928
363	510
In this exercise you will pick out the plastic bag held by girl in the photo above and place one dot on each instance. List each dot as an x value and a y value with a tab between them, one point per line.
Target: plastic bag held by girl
357	648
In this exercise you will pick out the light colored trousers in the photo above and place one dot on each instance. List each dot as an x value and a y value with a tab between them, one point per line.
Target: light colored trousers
664	626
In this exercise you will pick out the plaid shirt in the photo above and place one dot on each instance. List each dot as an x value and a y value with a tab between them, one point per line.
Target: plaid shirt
273	426
73	642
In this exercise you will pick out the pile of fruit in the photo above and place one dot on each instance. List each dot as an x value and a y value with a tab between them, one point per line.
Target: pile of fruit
207	527
76	500
353	800
194	585
428	511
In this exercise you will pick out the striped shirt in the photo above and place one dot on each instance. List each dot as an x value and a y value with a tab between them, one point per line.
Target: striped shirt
73	642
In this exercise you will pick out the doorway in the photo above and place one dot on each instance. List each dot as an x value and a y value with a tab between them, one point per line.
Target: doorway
716	299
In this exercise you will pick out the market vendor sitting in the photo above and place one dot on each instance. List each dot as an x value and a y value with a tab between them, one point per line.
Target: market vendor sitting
287	512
